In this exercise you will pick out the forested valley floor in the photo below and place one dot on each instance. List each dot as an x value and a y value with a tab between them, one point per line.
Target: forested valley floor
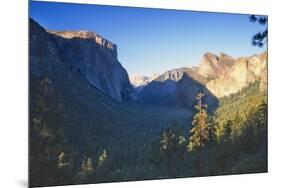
86	137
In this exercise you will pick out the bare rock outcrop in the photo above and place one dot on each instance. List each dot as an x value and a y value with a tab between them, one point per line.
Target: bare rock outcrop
244	71
212	66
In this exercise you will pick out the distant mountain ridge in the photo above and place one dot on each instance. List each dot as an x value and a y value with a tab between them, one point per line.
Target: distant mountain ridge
96	58
217	76
139	82
162	90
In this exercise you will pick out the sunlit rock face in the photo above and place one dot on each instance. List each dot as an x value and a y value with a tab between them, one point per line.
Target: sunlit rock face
217	76
212	66
245	70
94	37
138	80
86	52
263	81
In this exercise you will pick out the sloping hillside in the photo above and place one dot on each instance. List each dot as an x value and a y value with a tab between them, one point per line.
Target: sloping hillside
70	117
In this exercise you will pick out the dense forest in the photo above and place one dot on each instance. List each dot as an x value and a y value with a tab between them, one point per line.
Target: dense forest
144	142
232	140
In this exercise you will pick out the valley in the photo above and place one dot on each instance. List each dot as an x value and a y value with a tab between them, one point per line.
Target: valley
90	124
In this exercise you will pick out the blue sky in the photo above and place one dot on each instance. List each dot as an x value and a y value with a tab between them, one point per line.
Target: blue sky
154	40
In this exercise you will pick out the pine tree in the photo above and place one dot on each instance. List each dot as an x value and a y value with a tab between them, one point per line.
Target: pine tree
63	160
102	158
260	39
254	134
49	153
47	107
167	141
86	169
199	133
228	131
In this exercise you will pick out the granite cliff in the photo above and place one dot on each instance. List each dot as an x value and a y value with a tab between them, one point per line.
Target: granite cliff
96	59
86	52
164	88
217	76
212	66
242	72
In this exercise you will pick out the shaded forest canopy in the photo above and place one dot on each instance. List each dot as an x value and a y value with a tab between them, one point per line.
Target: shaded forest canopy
135	142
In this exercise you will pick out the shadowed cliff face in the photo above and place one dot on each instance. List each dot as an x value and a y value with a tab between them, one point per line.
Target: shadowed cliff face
87	52
159	92
187	89
174	87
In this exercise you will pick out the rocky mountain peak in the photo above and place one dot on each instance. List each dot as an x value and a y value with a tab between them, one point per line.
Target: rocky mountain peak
210	58
174	75
139	80
212	65
242	72
224	55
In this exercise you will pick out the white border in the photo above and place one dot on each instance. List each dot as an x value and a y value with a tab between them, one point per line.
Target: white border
13	84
